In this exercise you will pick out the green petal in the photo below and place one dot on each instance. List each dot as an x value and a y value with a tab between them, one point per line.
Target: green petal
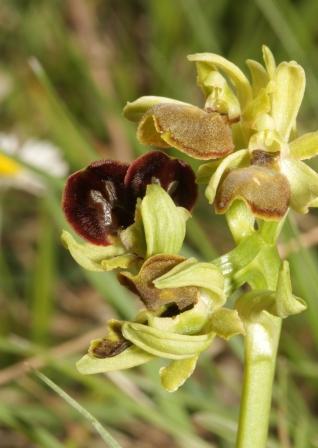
135	110
238	158
303	183
237	77
164	223
226	323
176	373
164	344
259	75
305	146
97	258
289	81
131	357
193	273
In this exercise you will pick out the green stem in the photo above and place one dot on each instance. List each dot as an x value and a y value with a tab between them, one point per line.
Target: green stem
261	343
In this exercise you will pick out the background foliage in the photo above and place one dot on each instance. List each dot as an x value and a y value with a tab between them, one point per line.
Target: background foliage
67	67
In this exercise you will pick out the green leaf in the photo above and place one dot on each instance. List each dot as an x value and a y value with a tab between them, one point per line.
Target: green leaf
289	86
164	344
305	146
164	223
237	77
238	158
135	110
97	258
193	273
226	323
303	183
176	373
131	357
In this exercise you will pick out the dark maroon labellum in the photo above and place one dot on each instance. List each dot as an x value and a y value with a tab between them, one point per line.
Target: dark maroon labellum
101	199
94	201
174	175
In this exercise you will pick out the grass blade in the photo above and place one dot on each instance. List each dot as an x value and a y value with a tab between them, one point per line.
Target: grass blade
105	435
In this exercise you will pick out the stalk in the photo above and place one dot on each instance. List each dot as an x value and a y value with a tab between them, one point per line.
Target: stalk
261	343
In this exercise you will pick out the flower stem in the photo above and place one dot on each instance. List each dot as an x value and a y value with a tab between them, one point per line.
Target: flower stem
261	344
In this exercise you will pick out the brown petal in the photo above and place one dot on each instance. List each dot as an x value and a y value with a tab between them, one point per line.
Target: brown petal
265	190
94	201
200	134
153	298
175	176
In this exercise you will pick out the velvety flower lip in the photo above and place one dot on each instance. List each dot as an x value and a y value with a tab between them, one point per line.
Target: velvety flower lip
94	201
153	298
174	175
201	134
265	190
101	199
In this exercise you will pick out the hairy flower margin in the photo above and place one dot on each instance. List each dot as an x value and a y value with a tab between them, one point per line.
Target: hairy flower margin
134	216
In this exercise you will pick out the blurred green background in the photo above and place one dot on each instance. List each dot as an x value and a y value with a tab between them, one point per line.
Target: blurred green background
67	67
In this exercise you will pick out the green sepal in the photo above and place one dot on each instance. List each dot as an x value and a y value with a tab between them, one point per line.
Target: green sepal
131	357
303	182
225	323
305	146
164	344
97	258
235	160
135	110
237	77
193	273
187	322
176	373
289	81
164	223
